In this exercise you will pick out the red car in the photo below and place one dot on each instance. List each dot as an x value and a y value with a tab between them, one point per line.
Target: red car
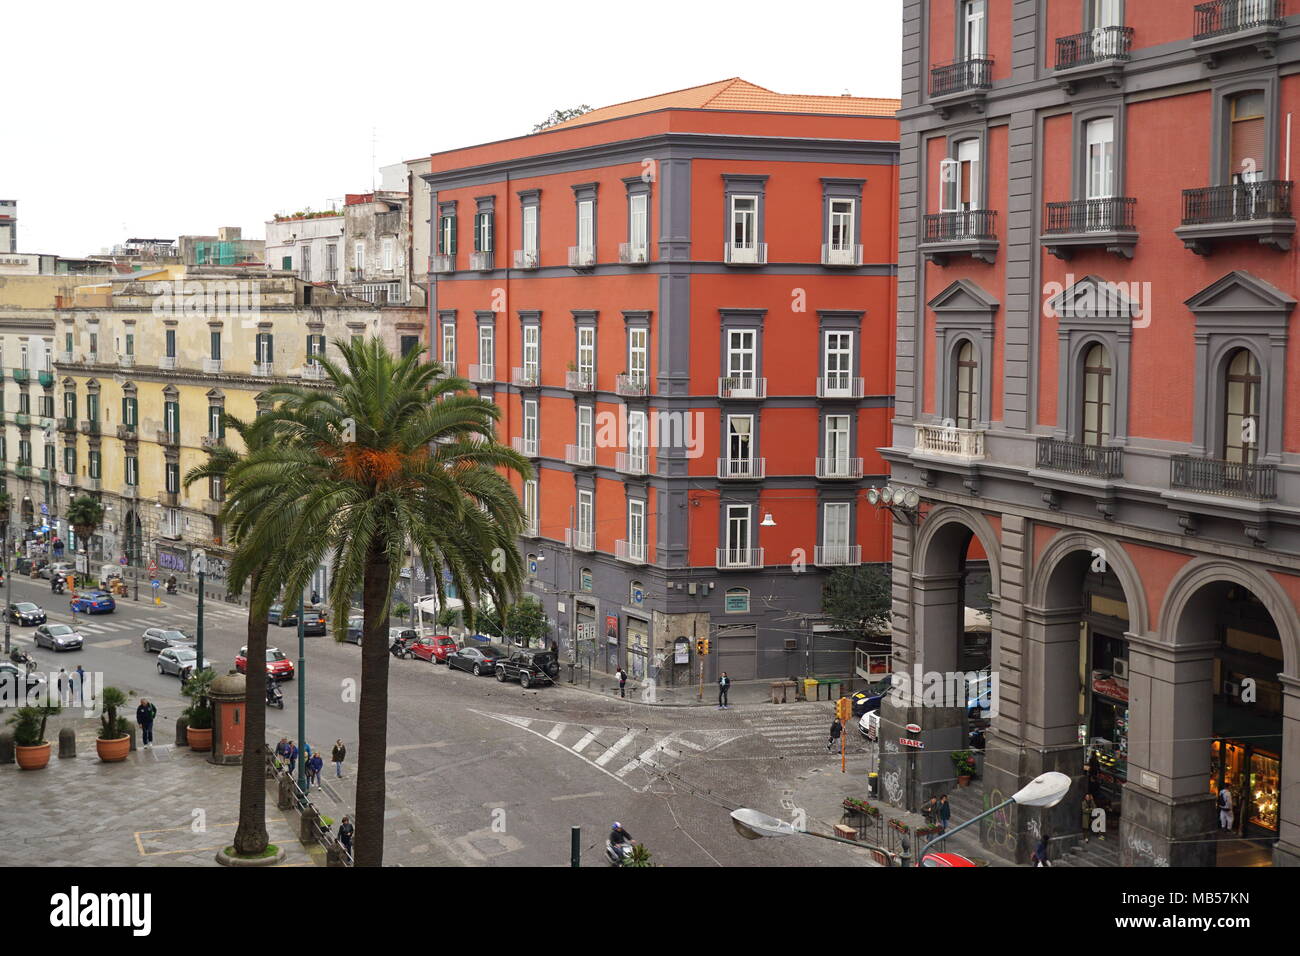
433	649
949	859
277	664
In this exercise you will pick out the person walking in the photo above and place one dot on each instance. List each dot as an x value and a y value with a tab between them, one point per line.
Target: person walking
63	687
144	717
315	766
929	810
292	756
837	728
337	755
345	834
724	685
282	749
1040	852
622	682
1225	807
945	813
81	686
1089	805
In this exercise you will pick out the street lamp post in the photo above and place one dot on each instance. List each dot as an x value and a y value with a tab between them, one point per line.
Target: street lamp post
755	825
302	699
1045	790
8	585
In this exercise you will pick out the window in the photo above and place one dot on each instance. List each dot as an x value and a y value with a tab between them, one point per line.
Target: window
838	363
216	427
132	470
449	346
214	345
171	343
741	362
483	231
94	464
1104	13
740	447
47	406
172	417
530	232
315	348
967	390
388	258
24	403
835	532
69	460
837	446
1248	152
130	344
585	432
530	427
22	357
359	257
130	412
407	344
331	261
50	458
532	352
974	38
486	360
94	343
636	529
638	356
586	229
1241	408
447	234
584	512
1096	396
744	223
92	407
304	259
738	535
960	178
1100	142
69	404
841	232
173	473
638	225
530	504
216	489
24	451
265	348
587	354
636	440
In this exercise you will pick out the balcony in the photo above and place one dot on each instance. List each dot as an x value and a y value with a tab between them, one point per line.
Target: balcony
526	259
90	484
482	374
525	377
961	83
580	456
577	540
67	424
130	492
263	369
1224	27
1091	223
90	427
580	381
212	366
745	254
210	441
849	256
442	263
22	376
481	261
1077	458
837	555
168	438
1098	54
66	481
742	469
840	386
24	469
167	362
525	446
127	433
742	386
313	372
92	358
630	462
947	441
45	377
838	469
128	361
1229	478
633	552
582	257
633	253
739	558
22	419
211	507
530	527
169	499
632	385
65	358
1260	211
971	232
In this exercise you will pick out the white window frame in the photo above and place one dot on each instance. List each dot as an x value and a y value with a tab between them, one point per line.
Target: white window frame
359	256
974	29
486	348
586	228
638	356
840	223
530	232
530	502
739	534
585	430
587	353
838	444
742	362
1099	156
530	423
585	512
837	517
449	345
745	223
740	445
837	362
389	250
532	351
636	439
638	229
636	528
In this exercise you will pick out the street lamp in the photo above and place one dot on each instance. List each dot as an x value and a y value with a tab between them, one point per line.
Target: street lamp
755	825
1045	790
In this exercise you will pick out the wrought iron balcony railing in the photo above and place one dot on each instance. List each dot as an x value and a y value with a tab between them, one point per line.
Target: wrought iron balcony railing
633	552
835	555
632	384
739	558
1099	45
972	73
1237	202
840	385
1215	477
1225	17
843	468
1077	458
962	226
1111	214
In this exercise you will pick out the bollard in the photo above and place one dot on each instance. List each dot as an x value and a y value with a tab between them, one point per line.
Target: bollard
284	798
307	825
6	747
333	855
182	739
131	729
67	742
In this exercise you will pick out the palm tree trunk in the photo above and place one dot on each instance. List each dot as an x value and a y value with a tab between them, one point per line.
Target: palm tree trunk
372	718
250	835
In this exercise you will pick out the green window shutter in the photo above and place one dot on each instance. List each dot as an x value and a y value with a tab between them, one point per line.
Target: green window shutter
452	250
491	232
286	263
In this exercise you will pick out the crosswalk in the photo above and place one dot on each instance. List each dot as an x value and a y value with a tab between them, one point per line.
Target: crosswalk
795	734
633	757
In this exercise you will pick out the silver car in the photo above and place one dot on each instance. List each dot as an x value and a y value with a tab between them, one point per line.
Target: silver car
59	637
179	661
157	639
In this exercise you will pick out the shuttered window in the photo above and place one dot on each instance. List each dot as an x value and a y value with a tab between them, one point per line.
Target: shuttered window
1249	138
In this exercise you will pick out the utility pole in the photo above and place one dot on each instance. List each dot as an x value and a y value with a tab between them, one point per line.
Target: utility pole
8	585
200	559
302	700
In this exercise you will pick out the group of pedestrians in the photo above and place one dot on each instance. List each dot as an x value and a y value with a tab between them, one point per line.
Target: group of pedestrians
287	750
72	687
937	812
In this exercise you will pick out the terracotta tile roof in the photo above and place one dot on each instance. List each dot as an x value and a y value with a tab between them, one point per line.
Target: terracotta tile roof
738	94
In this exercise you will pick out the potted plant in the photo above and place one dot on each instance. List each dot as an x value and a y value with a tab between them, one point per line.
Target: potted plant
114	741
964	763
198	715
31	749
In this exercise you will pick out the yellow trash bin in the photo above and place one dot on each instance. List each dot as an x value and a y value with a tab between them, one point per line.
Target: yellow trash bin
810	688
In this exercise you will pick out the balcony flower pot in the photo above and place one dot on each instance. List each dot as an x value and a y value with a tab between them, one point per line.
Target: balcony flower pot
31	749
114	741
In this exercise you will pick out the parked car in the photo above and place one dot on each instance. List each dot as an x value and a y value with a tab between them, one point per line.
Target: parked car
434	649
869	725
950	859
58	569
278	615
866	701
479	661
527	667
25	613
354	630
93	602
179	661
313	622
278	664
58	637
157	639
13	678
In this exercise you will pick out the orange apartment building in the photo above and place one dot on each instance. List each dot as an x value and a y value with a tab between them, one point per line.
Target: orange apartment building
683	305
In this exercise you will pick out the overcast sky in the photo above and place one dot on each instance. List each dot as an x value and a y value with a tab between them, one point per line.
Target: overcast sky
153	122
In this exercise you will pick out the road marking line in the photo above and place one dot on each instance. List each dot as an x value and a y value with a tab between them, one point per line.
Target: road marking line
121	642
612	752
580	796
693	746
541	736
556	731
581	744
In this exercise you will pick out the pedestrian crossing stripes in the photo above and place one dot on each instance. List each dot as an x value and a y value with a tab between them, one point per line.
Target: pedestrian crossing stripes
794	734
620	752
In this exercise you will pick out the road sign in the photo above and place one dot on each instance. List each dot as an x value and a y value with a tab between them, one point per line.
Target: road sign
154	584
909	742
198	561
45	510
153	568
913	728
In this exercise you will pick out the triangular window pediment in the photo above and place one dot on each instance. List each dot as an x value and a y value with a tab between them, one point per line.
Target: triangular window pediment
963	296
1241	292
1094	299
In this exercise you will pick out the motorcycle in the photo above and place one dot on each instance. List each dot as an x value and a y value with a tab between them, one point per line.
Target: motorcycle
976	739
171	584
19	656
56	585
399	648
619	854
275	696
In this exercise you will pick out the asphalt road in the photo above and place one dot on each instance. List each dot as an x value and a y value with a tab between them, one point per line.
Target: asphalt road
491	774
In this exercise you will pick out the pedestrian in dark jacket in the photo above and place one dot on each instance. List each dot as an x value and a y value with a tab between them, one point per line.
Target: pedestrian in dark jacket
144	717
945	813
345	834
724	685
1040	852
292	756
337	755
930	810
837	728
314	766
622	682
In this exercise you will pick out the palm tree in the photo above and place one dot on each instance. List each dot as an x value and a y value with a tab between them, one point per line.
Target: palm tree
392	454
85	515
250	835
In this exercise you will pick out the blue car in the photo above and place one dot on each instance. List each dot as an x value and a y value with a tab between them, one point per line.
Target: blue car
93	602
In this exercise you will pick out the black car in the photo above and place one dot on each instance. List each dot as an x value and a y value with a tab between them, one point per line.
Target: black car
15	682
479	661
864	702
313	622
279	615
354	630
25	612
527	667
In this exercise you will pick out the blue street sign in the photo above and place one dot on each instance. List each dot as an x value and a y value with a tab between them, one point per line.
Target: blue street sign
44	508
154	584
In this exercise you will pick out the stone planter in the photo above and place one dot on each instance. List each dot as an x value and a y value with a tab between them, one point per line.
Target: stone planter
32	758
112	751
199	739
963	780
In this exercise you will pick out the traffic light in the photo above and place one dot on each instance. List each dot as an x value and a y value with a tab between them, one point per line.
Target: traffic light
702	646
844	709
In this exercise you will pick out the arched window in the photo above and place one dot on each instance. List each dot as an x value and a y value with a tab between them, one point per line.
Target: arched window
967	386
1241	408
1096	396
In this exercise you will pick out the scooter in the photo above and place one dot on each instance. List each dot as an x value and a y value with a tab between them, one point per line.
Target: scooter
274	696
399	648
56	585
171	584
618	855
976	739
20	656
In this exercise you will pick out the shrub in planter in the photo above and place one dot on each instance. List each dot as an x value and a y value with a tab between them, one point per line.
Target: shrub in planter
198	715
31	749
114	741
963	762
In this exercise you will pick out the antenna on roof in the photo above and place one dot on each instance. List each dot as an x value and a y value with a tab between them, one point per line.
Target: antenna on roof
372	159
